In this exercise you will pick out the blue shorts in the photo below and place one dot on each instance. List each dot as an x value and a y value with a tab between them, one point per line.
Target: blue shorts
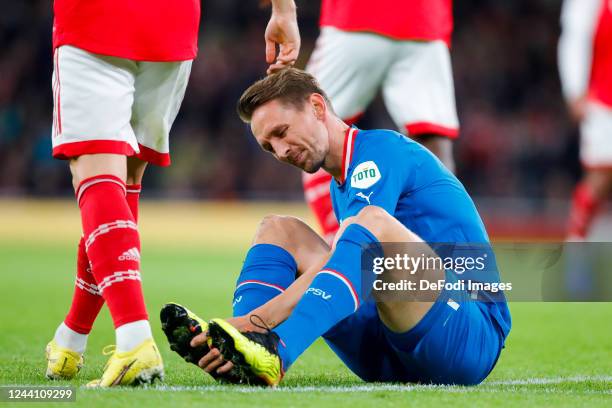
454	343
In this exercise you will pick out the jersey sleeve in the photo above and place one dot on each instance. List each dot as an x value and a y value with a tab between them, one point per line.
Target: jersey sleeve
578	24
376	178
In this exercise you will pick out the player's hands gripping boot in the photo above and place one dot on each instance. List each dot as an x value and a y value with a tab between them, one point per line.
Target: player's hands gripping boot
181	325
62	363
141	365
254	354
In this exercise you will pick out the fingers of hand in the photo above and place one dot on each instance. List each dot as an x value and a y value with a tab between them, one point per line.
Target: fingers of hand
211	360
225	368
199	340
277	67
270	51
287	53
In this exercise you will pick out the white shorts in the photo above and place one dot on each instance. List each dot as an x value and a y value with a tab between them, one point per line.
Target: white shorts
596	136
416	79
106	104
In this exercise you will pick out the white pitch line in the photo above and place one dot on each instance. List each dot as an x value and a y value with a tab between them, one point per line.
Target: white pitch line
490	387
552	380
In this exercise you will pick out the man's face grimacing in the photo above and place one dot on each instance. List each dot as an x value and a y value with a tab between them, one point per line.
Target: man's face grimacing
295	136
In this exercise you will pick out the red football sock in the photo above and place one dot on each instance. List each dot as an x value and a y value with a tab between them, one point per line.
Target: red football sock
113	246
132	196
86	301
584	207
316	191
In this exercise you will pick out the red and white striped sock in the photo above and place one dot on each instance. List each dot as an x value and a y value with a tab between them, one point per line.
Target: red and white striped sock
316	192
113	247
85	307
133	196
86	301
584	208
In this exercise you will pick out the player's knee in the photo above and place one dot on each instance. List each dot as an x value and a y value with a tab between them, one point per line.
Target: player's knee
374	218
280	230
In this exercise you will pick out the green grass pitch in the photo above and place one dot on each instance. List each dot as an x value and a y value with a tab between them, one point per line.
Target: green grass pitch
556	355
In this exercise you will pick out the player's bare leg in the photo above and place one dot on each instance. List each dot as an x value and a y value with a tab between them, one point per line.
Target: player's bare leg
296	237
135	170
439	145
91	165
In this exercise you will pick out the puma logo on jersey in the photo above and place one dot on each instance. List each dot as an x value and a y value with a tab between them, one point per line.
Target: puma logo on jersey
319	292
365	175
365	197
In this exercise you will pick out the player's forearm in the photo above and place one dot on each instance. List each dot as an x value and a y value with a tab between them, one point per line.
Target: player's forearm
279	308
283	6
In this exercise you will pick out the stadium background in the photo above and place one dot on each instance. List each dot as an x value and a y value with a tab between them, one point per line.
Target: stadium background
516	140
517	154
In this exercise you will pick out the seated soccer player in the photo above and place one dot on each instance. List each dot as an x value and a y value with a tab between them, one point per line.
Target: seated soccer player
294	288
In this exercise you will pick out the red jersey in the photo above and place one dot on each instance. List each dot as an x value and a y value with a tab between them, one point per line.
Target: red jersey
600	83
143	30
399	19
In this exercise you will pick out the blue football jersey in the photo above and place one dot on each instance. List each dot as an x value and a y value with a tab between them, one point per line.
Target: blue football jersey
389	170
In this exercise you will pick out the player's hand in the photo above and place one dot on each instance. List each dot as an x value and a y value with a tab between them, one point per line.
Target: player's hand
213	360
577	108
282	30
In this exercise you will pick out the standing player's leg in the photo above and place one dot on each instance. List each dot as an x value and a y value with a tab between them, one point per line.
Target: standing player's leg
65	351
93	103
596	158
135	172
87	302
420	96
587	199
70	122
350	68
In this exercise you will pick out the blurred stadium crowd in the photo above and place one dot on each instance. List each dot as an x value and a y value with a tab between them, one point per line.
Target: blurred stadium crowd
516	139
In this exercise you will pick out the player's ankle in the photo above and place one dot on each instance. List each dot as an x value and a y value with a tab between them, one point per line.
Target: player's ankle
68	338
130	335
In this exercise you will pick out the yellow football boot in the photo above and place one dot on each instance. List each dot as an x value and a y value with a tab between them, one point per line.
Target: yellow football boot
142	365
181	325
252	352
62	363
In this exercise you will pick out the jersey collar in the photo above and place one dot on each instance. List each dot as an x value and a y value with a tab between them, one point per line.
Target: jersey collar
347	152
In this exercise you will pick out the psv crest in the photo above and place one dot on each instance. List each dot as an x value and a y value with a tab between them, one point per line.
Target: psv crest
365	175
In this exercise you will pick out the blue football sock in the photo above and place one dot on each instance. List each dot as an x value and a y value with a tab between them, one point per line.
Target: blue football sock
334	294
267	271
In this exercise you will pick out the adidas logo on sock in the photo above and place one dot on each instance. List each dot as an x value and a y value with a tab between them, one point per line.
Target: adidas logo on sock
130	255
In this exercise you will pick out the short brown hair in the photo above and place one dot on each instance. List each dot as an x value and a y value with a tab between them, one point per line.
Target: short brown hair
290	85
